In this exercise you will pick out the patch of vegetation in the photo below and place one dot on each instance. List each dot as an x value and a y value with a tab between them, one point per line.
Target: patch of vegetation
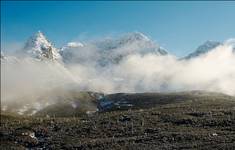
206	122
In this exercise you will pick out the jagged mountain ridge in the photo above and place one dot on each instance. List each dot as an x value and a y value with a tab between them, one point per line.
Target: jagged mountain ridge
107	51
39	47
203	49
112	51
135	42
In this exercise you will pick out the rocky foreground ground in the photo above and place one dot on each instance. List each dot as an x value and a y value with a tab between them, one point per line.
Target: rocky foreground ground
187	125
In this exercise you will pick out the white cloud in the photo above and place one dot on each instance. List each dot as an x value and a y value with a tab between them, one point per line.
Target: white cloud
32	82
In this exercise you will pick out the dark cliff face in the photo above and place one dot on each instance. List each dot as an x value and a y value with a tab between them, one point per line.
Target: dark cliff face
47	53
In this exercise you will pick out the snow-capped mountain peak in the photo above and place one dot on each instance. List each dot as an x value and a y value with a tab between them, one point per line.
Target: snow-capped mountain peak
72	45
75	44
38	46
135	36
203	49
208	45
111	50
37	41
124	40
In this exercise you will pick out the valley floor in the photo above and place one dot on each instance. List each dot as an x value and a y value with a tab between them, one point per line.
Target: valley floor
173	126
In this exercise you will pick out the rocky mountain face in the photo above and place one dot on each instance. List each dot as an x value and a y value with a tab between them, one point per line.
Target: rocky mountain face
112	51
203	49
115	50
39	47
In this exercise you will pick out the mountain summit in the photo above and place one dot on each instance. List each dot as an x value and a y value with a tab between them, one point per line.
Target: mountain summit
203	49
115	50
134	42
134	36
38	46
112	50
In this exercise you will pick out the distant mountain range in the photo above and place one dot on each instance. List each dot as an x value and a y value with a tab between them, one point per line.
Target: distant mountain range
103	52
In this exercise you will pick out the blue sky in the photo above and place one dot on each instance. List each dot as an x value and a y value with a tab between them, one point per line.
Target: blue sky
178	26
